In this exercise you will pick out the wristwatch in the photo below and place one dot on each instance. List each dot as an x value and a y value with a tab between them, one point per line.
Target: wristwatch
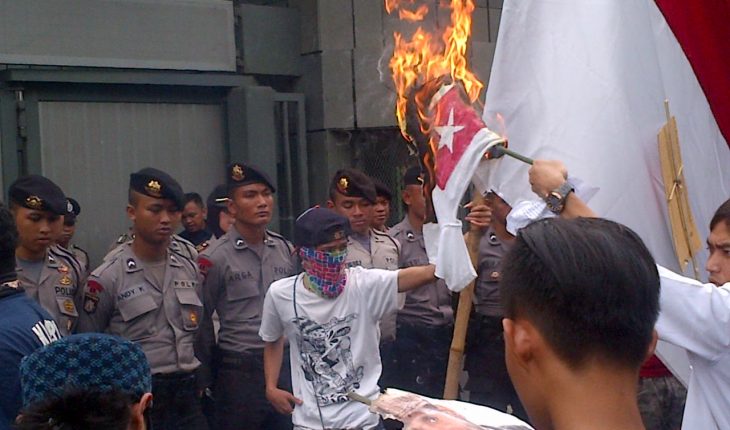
556	199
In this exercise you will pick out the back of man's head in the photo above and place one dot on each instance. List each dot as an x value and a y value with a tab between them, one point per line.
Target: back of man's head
589	286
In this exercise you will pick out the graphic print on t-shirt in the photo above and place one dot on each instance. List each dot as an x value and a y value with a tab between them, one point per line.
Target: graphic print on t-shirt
326	355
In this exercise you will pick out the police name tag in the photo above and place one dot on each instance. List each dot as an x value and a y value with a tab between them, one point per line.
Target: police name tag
185	284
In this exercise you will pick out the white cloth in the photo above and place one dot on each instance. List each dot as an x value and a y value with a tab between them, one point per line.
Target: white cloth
336	341
453	264
696	317
584	82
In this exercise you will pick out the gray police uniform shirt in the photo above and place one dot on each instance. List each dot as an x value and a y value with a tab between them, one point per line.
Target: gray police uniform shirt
486	290
383	254
429	305
123	298
236	279
57	288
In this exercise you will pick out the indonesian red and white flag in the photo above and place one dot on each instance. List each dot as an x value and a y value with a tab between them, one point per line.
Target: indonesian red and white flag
584	81
462	139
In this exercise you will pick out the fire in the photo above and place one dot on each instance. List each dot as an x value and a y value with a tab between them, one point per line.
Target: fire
425	58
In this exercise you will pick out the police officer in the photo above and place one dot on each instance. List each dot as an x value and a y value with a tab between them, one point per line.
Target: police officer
26	326
194	222
238	269
425	324
219	220
352	194
381	211
149	294
73	209
489	384
48	273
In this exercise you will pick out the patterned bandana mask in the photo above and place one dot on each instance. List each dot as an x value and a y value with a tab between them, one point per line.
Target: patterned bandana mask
325	271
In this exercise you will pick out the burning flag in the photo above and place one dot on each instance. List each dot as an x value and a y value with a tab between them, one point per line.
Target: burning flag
461	140
435	92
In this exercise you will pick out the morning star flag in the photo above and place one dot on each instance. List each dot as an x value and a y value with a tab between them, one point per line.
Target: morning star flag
584	81
461	140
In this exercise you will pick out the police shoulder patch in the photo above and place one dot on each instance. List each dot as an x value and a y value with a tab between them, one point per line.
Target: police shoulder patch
90	303
94	287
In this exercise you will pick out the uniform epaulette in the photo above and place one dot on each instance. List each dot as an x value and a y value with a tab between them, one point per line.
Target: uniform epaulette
115	251
105	265
282	238
186	247
67	255
395	242
395	230
185	258
215	245
83	251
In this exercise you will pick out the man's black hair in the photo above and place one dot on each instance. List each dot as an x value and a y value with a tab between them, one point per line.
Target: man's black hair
78	408
8	241
193	197
721	214
589	285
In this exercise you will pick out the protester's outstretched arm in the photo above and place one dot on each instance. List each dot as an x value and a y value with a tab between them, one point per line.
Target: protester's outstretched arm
549	175
414	277
282	400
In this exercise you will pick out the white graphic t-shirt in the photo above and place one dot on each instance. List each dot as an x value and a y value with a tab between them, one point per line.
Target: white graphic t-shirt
333	344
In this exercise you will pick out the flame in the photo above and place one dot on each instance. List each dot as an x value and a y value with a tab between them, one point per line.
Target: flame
425	58
418	15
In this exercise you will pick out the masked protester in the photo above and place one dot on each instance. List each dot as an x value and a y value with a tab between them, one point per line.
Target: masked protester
330	314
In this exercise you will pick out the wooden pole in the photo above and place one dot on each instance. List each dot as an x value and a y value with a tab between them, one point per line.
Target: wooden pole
685	236
463	310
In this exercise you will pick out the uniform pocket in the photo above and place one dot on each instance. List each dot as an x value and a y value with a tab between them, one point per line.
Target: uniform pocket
243	300
191	308
137	313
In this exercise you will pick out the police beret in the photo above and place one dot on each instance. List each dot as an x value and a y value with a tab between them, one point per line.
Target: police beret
39	193
317	226
92	361
239	174
158	184
218	197
73	206
381	190
73	209
413	176
354	183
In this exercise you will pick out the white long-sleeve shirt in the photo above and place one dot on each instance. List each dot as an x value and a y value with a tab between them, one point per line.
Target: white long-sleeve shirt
696	317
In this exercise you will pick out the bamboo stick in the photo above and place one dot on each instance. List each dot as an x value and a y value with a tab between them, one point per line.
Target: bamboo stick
458	341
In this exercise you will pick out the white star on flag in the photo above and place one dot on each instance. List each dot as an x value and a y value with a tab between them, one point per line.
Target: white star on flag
447	132
457	158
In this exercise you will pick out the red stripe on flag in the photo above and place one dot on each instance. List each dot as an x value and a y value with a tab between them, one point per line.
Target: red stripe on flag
703	30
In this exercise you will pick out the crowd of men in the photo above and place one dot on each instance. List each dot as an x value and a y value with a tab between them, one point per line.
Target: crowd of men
242	328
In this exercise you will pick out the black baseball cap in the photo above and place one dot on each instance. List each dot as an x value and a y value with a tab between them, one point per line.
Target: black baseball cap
317	226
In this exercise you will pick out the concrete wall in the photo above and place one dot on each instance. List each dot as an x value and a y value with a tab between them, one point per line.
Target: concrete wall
345	48
151	34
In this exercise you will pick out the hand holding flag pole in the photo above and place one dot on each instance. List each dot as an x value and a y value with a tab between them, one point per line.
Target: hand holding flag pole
500	150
